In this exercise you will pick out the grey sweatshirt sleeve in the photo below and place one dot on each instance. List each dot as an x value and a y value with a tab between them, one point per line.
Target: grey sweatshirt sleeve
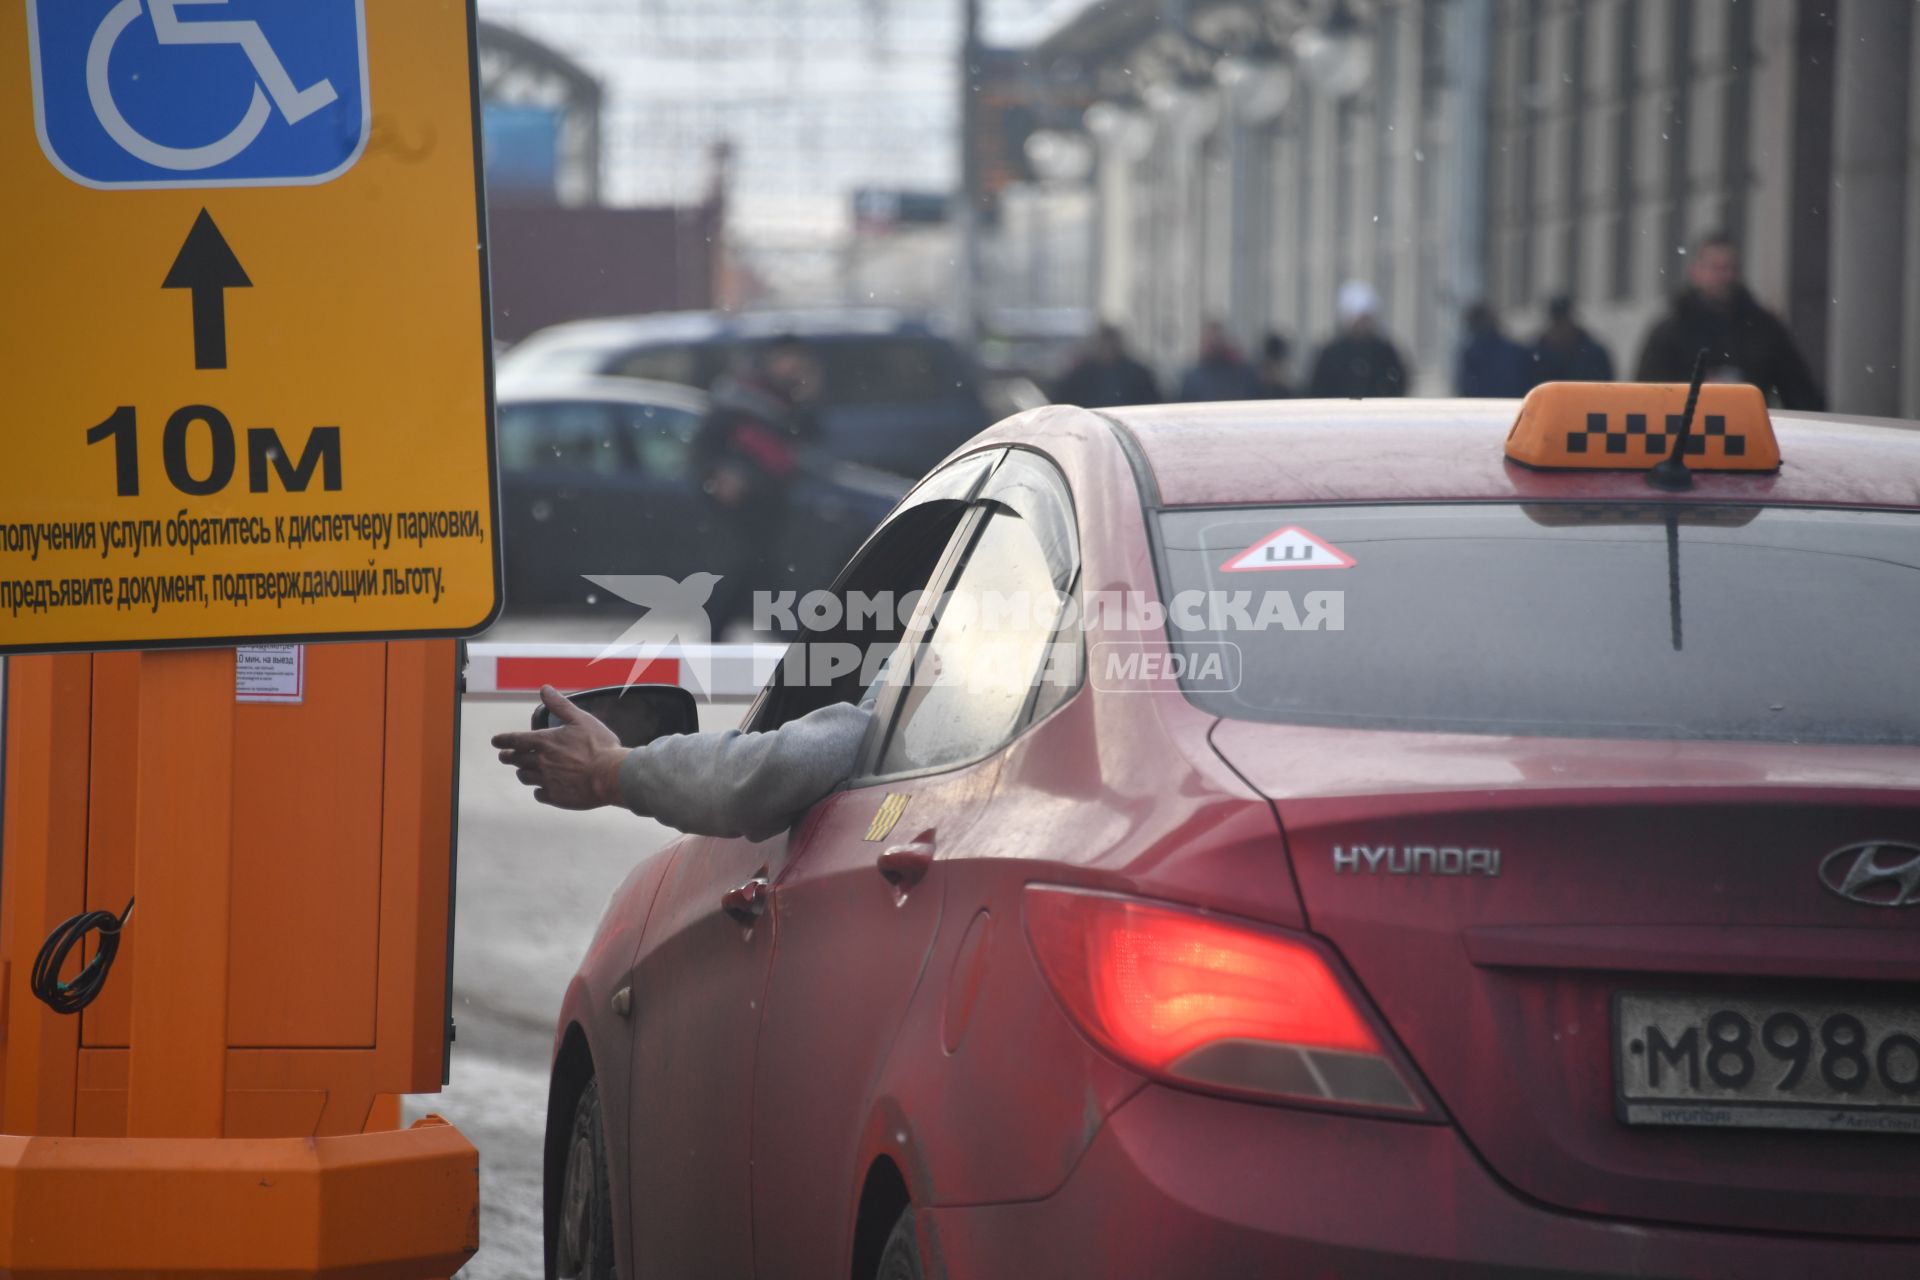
744	784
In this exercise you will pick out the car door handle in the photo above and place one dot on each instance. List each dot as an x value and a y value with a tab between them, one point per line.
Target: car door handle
907	864
746	902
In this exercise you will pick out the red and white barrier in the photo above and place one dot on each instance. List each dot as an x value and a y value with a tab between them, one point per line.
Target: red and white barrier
728	672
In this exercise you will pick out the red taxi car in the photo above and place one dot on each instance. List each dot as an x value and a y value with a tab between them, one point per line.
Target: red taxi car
1491	864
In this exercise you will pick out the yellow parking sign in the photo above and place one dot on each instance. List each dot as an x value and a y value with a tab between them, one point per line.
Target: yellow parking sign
245	324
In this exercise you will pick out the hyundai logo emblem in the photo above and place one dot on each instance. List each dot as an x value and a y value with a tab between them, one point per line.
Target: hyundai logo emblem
1875	873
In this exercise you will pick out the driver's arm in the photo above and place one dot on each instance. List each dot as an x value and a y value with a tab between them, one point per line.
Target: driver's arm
744	784
711	784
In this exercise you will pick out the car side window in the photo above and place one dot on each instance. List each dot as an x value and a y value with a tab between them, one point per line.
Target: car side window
573	435
662	439
999	655
838	664
1030	486
991	658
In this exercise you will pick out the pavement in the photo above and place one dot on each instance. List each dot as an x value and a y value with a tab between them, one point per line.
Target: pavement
532	883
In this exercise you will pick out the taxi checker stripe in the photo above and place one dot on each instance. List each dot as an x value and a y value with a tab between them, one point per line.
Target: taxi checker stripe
1654	442
735	672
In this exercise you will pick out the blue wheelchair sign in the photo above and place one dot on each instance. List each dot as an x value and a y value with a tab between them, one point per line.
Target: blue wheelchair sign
200	93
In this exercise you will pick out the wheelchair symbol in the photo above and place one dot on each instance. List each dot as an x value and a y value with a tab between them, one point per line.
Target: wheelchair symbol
274	82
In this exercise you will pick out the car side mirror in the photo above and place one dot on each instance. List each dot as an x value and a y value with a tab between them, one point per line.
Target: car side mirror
637	713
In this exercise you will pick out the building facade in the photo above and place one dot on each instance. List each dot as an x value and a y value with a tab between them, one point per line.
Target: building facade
558	251
1254	154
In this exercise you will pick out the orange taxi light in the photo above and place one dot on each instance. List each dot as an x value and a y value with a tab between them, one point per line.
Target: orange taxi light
1630	426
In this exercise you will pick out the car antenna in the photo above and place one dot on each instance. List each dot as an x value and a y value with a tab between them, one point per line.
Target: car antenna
1673	576
1671	472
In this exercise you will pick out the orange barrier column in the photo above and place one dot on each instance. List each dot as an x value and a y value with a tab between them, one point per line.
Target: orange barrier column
183	858
211	825
49	738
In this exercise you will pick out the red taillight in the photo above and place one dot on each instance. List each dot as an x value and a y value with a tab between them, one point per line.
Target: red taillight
1195	998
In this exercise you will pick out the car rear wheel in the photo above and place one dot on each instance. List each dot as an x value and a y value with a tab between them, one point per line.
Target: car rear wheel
900	1260
583	1242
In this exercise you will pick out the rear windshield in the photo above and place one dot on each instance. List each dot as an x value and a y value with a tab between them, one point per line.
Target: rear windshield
1637	621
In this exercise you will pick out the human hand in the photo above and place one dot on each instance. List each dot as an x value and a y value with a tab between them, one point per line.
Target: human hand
574	765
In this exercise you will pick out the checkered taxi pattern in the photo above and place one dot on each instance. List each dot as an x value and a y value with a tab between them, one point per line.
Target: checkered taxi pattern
1602	435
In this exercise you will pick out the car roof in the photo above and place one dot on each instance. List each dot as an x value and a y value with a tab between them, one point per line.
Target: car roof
641	391
614	332
1294	451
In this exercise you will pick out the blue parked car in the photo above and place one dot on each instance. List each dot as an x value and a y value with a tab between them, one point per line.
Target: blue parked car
897	395
596	477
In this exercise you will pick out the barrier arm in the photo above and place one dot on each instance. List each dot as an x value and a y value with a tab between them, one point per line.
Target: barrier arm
712	672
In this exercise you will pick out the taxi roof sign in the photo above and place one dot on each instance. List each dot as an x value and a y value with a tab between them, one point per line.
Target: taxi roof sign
246	261
1630	426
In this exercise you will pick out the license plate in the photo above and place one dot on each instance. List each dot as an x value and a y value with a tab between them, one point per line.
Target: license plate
1720	1062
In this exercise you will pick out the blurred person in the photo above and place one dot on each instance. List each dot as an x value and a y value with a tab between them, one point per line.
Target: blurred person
1358	362
1221	372
1105	375
1274	352
1744	341
747	453
1490	363
1565	352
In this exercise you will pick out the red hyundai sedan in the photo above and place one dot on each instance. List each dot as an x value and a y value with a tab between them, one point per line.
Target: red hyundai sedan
1397	840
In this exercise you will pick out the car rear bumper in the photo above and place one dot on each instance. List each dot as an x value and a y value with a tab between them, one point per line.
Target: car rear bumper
1177	1184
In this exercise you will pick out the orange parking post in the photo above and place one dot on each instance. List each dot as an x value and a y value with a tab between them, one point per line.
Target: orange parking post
232	1094
43	860
381	1205
183	873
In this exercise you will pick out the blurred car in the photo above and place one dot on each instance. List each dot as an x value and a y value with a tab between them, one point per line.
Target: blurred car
897	395
1035	344
596	477
1536	895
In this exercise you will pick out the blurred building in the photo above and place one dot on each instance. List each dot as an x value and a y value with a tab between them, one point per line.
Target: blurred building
1022	195
558	253
1252	154
899	251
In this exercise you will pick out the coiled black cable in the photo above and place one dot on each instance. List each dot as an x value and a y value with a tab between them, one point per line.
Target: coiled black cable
72	997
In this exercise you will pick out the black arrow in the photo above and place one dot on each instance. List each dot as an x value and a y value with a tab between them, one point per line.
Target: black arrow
206	266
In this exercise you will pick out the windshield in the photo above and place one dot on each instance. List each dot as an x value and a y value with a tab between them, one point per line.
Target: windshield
1637	621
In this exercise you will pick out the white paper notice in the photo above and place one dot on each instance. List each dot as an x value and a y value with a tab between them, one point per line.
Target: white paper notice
270	673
